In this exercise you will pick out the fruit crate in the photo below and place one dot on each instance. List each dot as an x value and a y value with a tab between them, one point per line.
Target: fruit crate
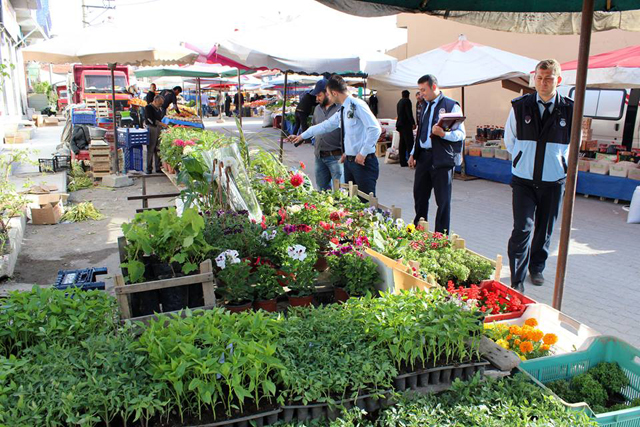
83	117
46	165
84	279
61	163
572	335
600	349
133	159
128	137
492	285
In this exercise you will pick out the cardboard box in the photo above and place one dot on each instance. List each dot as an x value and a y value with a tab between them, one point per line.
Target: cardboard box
488	152
621	169
601	168
608	157
475	151
47	209
502	154
587	134
584	165
14	139
634	174
589	145
51	121
586	123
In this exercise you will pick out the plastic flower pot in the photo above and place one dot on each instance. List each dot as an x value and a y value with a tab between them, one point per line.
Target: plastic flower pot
340	295
270	305
296	301
237	308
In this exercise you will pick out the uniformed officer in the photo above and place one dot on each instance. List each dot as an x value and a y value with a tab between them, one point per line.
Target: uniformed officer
537	136
435	153
360	133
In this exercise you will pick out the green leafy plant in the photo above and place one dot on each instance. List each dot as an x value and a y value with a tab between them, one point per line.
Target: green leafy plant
265	277
610	376
12	203
168	237
354	272
234	276
82	212
78	178
230	229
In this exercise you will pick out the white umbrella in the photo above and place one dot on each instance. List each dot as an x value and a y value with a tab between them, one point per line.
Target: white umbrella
616	69
108	43
457	64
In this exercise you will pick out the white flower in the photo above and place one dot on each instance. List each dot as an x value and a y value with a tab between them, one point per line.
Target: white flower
230	255
221	261
297	252
269	236
399	223
294	209
187	150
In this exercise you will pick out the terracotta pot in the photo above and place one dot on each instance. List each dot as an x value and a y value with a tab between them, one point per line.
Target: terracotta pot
321	264
237	308
300	301
340	295
270	305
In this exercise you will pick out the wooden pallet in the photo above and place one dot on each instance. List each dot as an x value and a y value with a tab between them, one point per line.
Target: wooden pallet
353	191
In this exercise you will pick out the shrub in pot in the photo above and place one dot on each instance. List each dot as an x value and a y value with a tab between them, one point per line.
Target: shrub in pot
300	265
267	287
353	272
234	276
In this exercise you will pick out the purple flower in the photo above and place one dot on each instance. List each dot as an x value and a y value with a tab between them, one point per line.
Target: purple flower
289	228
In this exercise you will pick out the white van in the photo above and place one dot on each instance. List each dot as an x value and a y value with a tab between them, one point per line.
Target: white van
613	118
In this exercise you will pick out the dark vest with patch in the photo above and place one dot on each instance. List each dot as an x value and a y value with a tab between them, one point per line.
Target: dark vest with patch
529	128
444	152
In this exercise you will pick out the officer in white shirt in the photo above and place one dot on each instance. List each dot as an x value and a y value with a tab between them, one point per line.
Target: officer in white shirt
360	131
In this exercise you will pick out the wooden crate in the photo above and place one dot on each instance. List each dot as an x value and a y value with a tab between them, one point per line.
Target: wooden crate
353	191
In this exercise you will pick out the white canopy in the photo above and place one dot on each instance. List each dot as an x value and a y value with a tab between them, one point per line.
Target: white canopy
616	69
108	43
457	64
301	52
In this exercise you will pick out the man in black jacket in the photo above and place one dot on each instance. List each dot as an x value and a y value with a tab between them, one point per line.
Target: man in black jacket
405	126
171	97
307	103
435	154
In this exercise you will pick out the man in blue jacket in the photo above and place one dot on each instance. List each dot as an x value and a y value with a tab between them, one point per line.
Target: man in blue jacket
537	136
435	154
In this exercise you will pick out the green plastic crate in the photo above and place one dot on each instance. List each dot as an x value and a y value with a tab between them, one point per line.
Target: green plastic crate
601	349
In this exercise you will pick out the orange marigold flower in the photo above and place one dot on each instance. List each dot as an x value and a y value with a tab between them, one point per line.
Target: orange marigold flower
550	339
536	335
545	347
526	347
517	342
515	330
531	322
509	337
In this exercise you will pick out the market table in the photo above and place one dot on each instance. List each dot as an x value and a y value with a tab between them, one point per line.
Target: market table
170	121
592	184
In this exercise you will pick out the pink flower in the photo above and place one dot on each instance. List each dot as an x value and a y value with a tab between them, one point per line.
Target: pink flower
297	180
178	142
189	142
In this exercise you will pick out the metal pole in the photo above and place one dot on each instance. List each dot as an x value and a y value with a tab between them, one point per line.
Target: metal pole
284	111
114	160
462	100
199	97
574	150
240	103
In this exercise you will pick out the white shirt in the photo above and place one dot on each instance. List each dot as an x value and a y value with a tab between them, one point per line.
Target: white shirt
361	128
457	134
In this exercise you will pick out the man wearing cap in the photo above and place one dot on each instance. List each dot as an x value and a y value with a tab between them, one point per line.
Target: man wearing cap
328	146
360	131
305	107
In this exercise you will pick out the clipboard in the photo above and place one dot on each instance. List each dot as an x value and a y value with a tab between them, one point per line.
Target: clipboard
448	120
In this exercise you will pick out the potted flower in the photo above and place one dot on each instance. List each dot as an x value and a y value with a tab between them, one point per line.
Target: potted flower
299	265
267	288
352	273
234	276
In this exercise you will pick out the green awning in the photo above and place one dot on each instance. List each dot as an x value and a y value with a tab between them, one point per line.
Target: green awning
202	71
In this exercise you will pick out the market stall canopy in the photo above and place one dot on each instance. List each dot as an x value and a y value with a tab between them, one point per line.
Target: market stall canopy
261	49
196	70
525	16
616	69
109	43
457	64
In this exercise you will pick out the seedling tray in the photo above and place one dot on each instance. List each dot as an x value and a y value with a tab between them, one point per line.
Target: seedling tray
256	420
314	411
600	349
439	376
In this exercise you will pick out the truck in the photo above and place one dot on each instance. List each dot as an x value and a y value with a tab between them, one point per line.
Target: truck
63	99
94	82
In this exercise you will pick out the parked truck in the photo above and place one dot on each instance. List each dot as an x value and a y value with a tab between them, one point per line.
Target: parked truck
94	82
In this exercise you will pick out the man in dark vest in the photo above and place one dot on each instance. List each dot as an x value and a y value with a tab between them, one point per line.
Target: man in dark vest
405	126
537	136
435	154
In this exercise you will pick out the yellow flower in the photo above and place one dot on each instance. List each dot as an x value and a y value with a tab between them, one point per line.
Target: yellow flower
503	344
515	330
489	325
411	228
531	322
522	358
550	339
545	347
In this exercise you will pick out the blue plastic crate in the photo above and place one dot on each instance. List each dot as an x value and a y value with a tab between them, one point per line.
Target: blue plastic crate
133	159
84	279
128	137
83	117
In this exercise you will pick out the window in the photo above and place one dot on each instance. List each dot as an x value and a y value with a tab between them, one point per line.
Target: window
604	104
98	83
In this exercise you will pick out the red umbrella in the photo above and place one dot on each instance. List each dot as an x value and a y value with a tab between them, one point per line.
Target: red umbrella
618	68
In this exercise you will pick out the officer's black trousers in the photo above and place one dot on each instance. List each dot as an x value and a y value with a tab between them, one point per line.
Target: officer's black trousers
406	143
535	209
439	181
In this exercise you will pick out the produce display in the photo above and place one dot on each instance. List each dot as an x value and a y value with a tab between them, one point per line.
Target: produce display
186	114
137	101
526	341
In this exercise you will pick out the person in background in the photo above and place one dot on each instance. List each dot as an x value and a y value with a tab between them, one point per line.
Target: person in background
328	146
151	94
220	104
153	121
237	100
137	116
359	135
305	107
204	101
227	105
405	124
418	106
373	104
537	136
171	97
435	154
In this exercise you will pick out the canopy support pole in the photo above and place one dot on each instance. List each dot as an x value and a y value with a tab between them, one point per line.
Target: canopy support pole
574	150
364	83
199	98
284	110
462	100
240	103
114	160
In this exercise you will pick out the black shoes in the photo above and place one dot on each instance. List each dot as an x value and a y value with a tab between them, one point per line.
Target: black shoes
537	279
518	287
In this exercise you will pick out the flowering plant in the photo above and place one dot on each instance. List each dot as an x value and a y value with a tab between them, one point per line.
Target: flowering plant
298	264
230	229
526	341
493	301
353	271
265	277
234	275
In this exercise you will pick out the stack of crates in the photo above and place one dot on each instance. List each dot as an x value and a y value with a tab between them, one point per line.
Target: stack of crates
84	279
83	117
132	140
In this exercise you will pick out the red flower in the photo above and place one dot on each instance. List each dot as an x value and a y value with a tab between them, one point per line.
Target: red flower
334	240
297	180
335	216
268	179
279	181
302	166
